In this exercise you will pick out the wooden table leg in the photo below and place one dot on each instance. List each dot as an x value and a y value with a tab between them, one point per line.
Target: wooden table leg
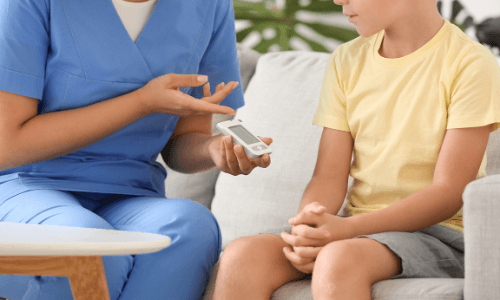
85	273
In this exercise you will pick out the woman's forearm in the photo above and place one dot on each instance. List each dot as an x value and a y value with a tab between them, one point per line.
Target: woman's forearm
327	191
425	208
50	135
189	153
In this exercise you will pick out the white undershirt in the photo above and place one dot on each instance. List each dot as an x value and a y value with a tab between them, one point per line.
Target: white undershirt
134	15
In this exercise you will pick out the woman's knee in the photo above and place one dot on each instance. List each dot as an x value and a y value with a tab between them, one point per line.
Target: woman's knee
197	221
186	222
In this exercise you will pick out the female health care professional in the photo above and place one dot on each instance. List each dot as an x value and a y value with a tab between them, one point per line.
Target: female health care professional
91	92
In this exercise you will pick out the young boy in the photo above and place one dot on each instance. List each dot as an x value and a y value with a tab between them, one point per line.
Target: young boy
415	99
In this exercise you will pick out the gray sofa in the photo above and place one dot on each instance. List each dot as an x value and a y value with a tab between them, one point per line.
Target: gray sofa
281	94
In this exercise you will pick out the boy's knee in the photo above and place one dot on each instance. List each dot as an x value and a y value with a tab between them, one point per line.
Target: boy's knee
252	252
342	259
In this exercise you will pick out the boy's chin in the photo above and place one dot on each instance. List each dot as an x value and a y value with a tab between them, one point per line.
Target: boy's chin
366	33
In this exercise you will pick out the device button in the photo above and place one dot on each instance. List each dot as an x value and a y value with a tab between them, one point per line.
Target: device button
259	147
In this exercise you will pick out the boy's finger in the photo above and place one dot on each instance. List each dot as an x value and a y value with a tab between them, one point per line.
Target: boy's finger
304	217
299	241
306	269
307	252
315	207
310	232
294	258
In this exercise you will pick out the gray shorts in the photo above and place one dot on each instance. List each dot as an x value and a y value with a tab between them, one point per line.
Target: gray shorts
434	252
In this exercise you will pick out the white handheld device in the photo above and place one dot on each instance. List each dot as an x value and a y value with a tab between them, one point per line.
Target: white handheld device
252	145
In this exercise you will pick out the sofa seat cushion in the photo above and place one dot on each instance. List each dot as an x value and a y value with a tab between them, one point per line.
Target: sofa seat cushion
395	289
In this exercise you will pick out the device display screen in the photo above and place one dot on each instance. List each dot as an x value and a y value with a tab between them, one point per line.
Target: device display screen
246	136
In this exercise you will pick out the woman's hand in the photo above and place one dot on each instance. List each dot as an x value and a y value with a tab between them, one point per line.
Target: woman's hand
162	95
231	158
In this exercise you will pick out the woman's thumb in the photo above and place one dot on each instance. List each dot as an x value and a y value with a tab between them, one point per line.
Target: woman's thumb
267	141
178	80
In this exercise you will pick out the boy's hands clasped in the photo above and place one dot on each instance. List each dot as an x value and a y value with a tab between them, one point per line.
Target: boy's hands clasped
313	228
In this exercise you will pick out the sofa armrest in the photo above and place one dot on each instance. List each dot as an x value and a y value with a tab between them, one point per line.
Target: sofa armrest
481	213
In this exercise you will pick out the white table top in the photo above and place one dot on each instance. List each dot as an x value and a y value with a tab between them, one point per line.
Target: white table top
51	240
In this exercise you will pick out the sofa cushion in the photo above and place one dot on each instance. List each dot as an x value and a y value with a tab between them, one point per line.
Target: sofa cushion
493	154
395	289
392	289
282	98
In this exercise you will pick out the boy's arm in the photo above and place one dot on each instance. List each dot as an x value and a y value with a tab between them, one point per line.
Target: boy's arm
328	184
458	164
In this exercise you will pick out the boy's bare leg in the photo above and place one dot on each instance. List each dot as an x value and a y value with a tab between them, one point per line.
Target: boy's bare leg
347	269
253	267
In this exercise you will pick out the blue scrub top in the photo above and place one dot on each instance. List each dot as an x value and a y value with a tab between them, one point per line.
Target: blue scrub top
73	53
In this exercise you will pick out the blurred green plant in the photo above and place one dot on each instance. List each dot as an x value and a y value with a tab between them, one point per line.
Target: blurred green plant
278	26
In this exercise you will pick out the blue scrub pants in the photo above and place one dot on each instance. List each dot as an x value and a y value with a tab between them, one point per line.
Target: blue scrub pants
179	271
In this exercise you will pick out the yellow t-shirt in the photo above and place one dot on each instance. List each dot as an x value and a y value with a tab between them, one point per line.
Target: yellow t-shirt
398	110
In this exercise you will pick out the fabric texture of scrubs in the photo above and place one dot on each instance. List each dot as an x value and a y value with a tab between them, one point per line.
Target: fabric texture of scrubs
74	53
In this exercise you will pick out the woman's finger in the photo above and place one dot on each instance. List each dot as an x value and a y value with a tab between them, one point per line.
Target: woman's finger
178	80
266	140
244	161
232	161
206	90
222	93
310	232
264	161
219	87
202	107
222	149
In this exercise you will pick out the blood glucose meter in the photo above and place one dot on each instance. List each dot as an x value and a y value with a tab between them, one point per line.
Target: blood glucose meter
252	145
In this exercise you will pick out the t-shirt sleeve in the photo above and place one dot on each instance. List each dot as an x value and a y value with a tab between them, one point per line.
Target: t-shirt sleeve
24	43
220	60
331	111
475	91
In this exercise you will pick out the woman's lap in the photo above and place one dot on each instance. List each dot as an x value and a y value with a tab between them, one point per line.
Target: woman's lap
170	273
